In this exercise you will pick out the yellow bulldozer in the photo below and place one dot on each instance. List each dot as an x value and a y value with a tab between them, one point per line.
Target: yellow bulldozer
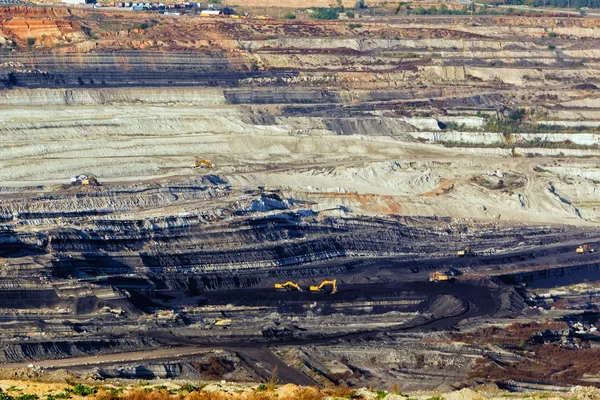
201	163
439	276
319	288
288	286
466	252
584	248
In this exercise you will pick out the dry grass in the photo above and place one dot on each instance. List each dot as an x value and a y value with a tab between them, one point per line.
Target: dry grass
308	393
140	394
338	391
104	394
201	395
273	380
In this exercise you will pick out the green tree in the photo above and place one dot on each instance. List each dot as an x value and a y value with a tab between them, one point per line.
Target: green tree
325	13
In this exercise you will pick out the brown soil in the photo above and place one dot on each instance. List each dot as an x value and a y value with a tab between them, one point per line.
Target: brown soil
512	335
550	363
554	362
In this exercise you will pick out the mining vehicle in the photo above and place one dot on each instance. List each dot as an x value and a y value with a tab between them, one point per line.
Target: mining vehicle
585	248
439	276
288	286
466	252
224	323
200	163
85	180
323	284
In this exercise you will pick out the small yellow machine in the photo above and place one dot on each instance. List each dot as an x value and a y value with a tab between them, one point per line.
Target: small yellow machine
323	284
225	323
465	252
439	276
585	248
200	163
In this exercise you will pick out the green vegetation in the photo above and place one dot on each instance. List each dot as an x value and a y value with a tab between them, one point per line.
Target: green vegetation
289	16
30	41
79	389
189	388
64	395
354	26
82	390
349	14
325	13
6	396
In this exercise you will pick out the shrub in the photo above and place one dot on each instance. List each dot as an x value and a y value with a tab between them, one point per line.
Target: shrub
354	26
289	16
189	388
106	395
30	41
27	397
381	394
325	13
349	14
83	390
517	115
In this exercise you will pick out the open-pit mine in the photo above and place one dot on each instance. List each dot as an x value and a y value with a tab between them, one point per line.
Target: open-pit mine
401	201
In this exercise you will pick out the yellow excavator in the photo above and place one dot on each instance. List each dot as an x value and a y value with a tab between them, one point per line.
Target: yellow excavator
323	284
90	181
200	163
85	180
439	276
224	323
466	252
288	286
584	248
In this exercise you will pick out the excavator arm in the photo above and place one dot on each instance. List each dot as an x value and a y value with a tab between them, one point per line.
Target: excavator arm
323	284
288	286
